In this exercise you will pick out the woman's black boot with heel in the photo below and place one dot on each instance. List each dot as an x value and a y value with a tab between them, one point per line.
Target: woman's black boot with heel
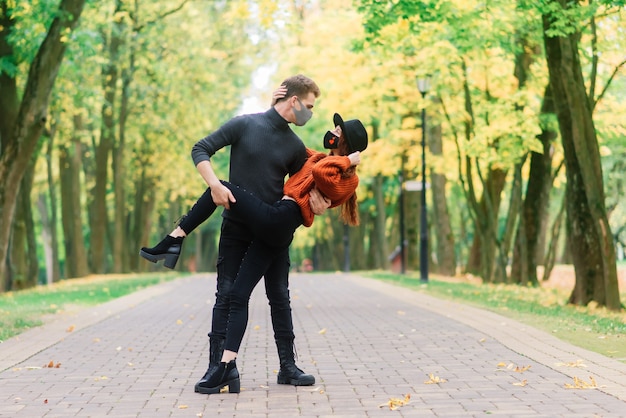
168	249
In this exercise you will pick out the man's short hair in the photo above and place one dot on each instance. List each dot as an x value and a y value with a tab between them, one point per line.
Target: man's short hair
300	85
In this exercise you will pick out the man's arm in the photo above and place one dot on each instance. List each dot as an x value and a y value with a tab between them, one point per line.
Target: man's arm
220	193
318	202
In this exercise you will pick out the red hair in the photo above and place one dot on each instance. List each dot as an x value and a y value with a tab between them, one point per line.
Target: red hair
349	208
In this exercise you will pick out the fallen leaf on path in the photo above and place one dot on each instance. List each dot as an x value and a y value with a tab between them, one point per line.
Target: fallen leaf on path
52	365
513	367
432	379
522	383
581	384
322	331
578	363
395	403
257	327
179	322
70	328
182	407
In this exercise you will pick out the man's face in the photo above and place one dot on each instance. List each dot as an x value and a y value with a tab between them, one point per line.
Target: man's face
302	109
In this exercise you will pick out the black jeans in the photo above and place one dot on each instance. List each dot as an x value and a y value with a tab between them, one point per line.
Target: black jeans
255	247
237	275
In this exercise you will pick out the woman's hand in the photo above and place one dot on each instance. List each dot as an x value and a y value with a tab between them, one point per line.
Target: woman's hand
279	93
355	158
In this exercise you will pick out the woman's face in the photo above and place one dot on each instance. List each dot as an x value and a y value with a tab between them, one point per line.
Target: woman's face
337	133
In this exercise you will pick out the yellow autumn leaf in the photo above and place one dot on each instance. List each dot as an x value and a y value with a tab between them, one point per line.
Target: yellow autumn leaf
322	331
182	407
578	363
70	328
257	327
432	379
179	322
519	369
581	384
522	383
395	403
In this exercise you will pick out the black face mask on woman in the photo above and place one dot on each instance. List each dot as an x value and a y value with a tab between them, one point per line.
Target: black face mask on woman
331	140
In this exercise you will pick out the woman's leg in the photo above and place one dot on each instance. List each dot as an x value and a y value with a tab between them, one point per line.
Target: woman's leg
170	247
199	212
273	223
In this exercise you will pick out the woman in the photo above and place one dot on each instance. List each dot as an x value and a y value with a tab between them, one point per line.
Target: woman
334	174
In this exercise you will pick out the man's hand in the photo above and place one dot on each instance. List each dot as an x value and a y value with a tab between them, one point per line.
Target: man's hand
318	202
222	196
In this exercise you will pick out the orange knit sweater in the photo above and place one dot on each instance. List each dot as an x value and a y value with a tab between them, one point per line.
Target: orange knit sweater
325	172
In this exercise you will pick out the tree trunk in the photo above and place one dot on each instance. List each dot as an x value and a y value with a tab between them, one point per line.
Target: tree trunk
444	238
53	269
484	245
412	211
145	200
379	249
504	243
589	233
26	128
46	238
120	249
71	209
535	207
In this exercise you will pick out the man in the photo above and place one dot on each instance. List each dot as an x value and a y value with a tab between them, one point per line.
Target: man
264	150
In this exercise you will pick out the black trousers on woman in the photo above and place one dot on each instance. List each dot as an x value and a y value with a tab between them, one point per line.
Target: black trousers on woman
272	227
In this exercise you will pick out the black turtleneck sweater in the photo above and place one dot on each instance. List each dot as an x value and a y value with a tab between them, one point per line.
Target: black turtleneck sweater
263	150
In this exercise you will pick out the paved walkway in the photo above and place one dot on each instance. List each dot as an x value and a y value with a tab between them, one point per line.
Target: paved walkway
366	342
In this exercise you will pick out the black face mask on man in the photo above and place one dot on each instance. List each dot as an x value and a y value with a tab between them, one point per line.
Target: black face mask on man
331	140
303	115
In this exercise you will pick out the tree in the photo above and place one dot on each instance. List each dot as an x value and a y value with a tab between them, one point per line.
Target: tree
589	232
25	118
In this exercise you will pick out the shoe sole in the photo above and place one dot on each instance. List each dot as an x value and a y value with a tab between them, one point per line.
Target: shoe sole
234	386
170	259
295	382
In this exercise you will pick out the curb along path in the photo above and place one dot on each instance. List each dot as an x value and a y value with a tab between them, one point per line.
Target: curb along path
365	341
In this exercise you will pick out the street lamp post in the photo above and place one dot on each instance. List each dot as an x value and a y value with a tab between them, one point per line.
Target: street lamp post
401	203
423	85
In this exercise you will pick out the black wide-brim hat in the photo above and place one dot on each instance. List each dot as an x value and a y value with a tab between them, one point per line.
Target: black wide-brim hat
354	132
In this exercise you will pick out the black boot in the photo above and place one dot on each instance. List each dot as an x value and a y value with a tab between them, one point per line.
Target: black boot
289	373
216	349
168	249
225	374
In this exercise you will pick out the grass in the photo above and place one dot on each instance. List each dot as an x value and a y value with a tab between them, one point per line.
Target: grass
25	309
593	328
